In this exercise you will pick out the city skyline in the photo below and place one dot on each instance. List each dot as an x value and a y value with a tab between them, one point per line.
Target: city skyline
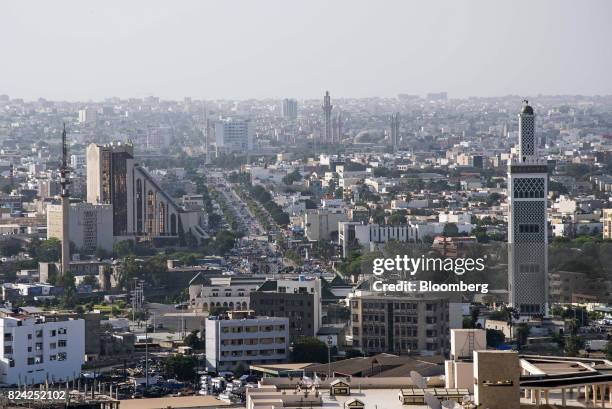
67	51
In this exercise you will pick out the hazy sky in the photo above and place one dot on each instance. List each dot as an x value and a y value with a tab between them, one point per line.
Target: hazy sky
289	48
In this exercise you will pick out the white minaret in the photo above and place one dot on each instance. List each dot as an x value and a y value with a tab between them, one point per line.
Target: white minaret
527	222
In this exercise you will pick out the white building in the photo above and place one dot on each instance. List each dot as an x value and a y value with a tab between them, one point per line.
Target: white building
90	225
87	115
289	108
222	292
241	339
234	135
320	223
455	217
368	236
36	349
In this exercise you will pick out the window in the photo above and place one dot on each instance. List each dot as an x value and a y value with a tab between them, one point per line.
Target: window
52	357
52	332
8	349
39	346
39	333
529	268
8	337
31	360
62	343
61	356
61	331
52	345
529	228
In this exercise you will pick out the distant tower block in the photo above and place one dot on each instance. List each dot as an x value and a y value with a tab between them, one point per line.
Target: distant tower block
527	222
327	109
65	200
395	122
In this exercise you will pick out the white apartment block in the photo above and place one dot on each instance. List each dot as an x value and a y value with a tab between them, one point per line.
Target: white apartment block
368	236
234	135
35	349
320	223
242	339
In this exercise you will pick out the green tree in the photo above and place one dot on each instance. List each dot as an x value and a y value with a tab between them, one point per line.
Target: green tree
495	338
397	218
10	247
102	253
67	282
522	333
608	350
193	340
450	230
309	349
123	248
572	345
224	242
92	281
181	367
48	250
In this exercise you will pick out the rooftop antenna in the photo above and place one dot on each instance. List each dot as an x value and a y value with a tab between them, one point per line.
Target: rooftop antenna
65	201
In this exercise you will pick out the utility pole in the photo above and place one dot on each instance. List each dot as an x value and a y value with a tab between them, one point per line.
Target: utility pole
329	345
146	356
65	203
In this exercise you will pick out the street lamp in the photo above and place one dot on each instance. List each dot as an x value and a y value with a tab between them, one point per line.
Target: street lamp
329	345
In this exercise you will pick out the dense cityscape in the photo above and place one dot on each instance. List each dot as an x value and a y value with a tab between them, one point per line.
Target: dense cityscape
191	223
278	204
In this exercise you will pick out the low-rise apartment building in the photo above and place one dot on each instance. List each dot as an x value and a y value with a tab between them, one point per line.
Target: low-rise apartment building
36	348
240	338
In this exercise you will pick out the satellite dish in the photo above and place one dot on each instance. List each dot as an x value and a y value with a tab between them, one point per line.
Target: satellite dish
418	380
451	404
432	401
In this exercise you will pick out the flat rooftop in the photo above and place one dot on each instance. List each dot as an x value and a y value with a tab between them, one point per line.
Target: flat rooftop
173	402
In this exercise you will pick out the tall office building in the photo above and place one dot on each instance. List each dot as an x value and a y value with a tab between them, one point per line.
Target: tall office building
327	126
108	182
289	108
234	135
527	222
140	206
395	122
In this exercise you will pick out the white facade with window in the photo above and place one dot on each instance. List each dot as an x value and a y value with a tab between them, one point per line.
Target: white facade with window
234	135
34	350
235	342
